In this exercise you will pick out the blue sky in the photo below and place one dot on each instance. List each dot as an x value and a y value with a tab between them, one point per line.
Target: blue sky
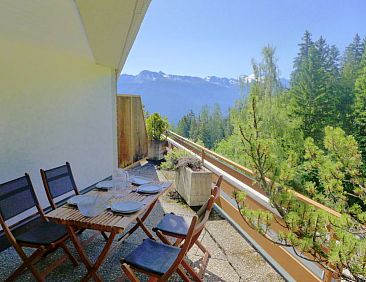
220	37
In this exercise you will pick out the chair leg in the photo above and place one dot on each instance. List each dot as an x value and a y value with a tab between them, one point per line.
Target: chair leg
129	272
191	271
28	263
177	242
144	228
183	275
202	270
202	248
104	236
36	274
163	238
69	254
21	269
206	255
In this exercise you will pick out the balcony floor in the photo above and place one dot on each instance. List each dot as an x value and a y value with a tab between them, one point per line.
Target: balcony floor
233	258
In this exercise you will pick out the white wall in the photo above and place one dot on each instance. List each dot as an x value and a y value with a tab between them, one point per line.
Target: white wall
54	108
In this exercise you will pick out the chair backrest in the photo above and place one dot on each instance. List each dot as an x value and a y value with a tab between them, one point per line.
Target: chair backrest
183	249
219	180
215	192
194	231
16	197
203	215
58	181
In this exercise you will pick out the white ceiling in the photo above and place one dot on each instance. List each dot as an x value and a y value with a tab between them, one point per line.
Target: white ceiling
53	24
102	31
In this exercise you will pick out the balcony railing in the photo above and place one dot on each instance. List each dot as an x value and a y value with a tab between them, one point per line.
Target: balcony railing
238	177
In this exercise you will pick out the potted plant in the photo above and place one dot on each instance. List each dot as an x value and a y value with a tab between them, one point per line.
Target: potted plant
155	127
193	181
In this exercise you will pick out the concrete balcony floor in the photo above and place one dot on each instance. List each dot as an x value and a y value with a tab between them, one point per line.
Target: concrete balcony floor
233	258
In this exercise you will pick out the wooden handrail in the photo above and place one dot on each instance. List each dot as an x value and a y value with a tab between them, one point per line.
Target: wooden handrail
226	160
247	171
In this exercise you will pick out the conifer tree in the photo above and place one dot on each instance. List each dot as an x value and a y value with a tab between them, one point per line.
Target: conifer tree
309	92
184	125
316	93
349	72
216	126
360	107
303	54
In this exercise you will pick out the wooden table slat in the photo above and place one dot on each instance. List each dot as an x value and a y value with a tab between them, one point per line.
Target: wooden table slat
106	221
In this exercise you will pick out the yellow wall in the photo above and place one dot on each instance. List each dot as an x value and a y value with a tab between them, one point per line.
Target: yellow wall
54	108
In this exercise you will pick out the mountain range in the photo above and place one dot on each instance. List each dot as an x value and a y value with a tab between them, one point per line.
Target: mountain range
175	95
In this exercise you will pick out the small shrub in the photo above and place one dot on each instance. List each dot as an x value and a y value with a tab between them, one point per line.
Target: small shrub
176	158
191	162
156	126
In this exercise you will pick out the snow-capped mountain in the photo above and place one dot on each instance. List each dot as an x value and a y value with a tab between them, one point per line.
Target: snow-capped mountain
145	76
175	95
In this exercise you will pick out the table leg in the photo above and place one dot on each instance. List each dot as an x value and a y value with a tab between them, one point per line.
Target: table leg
140	223
74	238
101	258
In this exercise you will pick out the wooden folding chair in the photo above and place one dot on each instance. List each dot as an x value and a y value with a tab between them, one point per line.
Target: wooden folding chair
18	196
158	260
176	226
57	182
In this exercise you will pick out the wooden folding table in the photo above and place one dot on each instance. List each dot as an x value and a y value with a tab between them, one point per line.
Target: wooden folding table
108	221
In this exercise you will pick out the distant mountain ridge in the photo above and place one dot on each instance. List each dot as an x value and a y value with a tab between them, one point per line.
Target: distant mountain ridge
175	95
160	76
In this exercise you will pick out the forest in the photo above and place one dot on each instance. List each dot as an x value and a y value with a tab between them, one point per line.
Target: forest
309	137
325	89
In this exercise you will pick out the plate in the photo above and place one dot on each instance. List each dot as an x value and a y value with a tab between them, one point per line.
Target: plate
108	184
149	188
139	180
76	199
127	206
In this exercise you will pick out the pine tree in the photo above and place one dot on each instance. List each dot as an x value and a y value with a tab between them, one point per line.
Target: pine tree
203	130
183	126
360	107
303	53
312	101
216	126
349	72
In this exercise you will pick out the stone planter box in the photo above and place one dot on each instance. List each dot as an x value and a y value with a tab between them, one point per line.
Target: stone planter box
194	186
156	150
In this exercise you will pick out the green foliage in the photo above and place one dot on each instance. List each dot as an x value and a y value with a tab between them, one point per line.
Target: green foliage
327	165
333	176
360	107
312	231
156	126
310	138
314	91
210	126
264	124
351	64
185	125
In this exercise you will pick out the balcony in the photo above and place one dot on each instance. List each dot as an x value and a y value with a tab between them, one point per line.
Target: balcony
238	252
233	257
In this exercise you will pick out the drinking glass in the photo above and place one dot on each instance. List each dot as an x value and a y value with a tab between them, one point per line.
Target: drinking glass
120	180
